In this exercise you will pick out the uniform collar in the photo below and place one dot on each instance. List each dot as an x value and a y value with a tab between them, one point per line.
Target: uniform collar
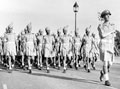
106	24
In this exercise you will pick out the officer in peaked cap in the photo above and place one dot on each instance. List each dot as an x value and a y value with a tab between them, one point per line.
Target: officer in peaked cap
106	32
105	12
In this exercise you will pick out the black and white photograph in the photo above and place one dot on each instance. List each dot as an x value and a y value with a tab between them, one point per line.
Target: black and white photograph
59	44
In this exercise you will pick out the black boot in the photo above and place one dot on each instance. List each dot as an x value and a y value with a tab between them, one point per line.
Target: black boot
30	71
88	70
58	67
85	67
76	67
64	71
93	66
107	83
23	67
48	71
9	70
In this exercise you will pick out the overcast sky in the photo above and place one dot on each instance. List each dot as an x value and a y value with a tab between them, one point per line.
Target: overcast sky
55	14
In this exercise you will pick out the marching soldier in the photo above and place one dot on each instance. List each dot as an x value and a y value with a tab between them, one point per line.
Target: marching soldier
40	42
82	50
65	47
48	47
11	44
4	48
77	46
18	50
22	46
106	33
70	52
95	51
30	46
58	48
88	42
53	55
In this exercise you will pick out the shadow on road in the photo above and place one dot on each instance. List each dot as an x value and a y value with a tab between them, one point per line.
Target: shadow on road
55	76
68	78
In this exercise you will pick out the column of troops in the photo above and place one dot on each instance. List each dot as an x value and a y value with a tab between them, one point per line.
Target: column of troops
61	50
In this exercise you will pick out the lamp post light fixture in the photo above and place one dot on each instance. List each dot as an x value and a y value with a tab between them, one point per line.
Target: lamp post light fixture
75	9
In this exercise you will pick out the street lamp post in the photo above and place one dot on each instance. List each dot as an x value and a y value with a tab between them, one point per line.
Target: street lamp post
75	9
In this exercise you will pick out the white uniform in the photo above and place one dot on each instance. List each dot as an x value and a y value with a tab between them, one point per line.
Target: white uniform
70	53
58	45
77	45
88	43
22	44
10	46
48	44
95	50
65	45
83	47
40	44
106	44
30	44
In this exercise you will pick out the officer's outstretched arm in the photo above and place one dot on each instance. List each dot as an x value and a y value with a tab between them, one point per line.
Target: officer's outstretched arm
103	34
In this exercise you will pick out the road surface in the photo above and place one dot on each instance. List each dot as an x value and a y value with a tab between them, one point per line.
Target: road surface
72	79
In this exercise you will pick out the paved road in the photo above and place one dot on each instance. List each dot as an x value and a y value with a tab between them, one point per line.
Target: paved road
73	79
